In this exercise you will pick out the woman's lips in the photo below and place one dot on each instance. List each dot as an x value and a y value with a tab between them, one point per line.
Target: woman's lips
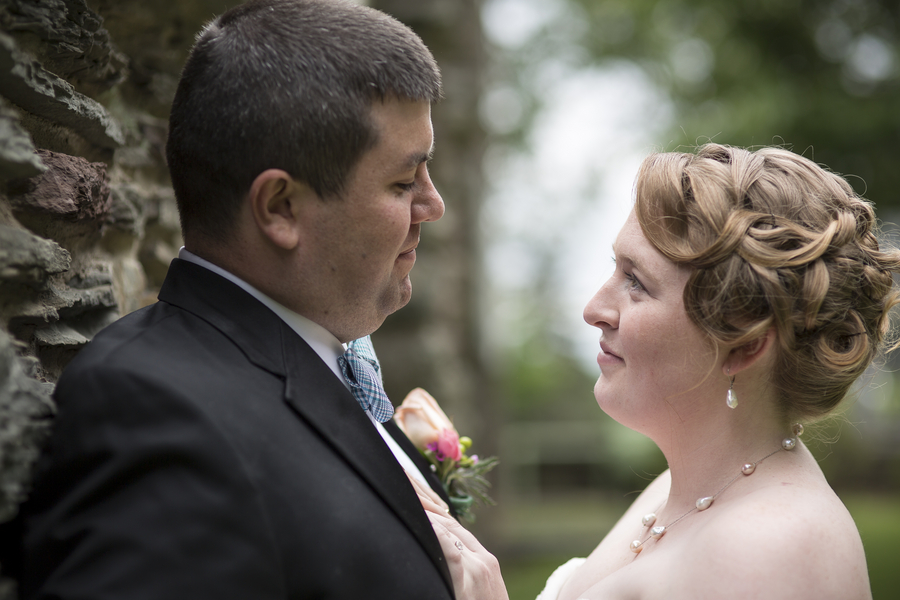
608	357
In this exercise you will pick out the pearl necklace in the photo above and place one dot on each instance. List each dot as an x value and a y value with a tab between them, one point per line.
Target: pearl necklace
705	502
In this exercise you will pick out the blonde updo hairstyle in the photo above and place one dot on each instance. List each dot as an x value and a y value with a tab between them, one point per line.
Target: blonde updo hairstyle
775	240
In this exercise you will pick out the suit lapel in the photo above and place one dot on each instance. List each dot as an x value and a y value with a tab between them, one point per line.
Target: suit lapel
311	388
313	391
247	322
420	461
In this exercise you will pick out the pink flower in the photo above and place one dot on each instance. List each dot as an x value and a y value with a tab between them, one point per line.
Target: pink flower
448	445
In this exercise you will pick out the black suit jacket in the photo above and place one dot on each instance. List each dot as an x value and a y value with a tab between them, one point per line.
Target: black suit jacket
203	450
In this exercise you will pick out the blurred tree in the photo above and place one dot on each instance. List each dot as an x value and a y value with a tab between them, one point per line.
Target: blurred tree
820	76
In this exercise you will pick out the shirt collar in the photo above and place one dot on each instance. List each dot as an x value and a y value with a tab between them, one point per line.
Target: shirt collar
322	341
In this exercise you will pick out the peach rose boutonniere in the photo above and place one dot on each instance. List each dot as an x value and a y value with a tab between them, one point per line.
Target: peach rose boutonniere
428	428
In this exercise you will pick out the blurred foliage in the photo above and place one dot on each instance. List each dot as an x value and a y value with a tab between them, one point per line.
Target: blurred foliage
819	76
540	380
878	521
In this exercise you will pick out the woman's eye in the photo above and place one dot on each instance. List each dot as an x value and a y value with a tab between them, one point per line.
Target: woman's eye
633	283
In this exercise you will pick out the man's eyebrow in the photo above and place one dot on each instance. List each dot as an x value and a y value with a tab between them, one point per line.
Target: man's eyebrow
417	158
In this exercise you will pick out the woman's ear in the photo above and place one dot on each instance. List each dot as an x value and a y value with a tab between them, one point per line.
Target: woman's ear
747	355
275	199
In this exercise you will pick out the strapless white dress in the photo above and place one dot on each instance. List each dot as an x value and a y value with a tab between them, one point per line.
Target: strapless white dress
558	579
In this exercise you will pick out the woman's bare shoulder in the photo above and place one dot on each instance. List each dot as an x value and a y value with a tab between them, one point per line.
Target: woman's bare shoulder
782	541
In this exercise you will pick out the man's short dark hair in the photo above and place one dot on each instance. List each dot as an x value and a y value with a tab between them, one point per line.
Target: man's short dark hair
285	84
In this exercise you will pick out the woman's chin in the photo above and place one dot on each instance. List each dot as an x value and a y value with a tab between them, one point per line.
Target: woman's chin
604	397
618	406
603	388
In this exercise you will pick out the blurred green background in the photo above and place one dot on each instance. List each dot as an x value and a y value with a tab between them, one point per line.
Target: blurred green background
551	105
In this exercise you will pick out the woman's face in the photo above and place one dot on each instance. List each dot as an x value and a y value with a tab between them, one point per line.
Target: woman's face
652	357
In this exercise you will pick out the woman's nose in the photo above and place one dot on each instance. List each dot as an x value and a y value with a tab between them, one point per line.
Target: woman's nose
600	310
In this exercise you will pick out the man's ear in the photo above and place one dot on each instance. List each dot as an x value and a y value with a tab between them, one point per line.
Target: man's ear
275	204
747	355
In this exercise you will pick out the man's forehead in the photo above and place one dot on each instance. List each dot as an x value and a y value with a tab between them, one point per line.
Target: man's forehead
404	132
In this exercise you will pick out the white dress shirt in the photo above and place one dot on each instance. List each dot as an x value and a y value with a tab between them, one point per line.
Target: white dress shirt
322	341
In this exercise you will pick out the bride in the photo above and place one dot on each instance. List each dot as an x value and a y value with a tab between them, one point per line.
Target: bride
749	294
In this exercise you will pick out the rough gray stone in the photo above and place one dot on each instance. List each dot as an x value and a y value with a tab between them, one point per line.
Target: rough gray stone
17	157
60	334
70	303
79	302
28	259
25	408
156	37
125	211
68	38
26	83
96	276
59	320
131	286
89	311
49	135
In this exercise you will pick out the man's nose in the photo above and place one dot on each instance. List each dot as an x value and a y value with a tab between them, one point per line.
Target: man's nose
428	204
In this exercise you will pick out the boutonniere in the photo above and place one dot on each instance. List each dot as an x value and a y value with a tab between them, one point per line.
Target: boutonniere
433	434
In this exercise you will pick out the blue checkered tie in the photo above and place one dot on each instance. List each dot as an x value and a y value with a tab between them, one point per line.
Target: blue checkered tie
361	370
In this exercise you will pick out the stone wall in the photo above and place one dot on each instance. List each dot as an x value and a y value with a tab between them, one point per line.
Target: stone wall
88	222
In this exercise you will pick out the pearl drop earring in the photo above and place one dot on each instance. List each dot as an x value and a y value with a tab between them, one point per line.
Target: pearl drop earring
731	398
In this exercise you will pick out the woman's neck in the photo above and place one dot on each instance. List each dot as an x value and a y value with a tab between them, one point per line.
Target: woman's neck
706	451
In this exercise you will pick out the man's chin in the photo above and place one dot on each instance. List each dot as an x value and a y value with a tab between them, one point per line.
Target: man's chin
400	298
404	294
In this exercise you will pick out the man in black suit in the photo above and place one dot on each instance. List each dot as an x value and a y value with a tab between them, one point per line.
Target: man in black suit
209	446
